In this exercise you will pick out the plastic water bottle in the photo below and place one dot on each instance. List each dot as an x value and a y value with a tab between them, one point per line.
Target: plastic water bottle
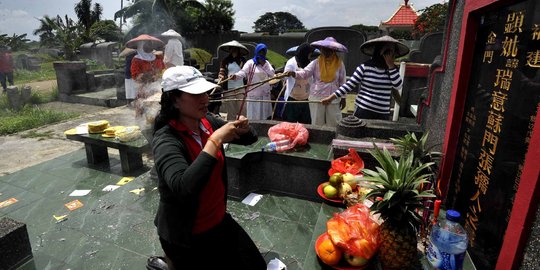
448	243
277	146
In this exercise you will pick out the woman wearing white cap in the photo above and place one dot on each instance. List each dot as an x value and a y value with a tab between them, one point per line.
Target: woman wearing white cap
174	54
194	228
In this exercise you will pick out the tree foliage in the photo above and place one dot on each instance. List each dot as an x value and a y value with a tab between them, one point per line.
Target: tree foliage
156	16
218	16
46	32
66	33
401	34
432	19
106	30
277	22
15	42
87	16
365	28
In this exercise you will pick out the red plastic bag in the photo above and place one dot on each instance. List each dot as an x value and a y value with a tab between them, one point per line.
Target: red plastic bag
354	231
350	163
294	132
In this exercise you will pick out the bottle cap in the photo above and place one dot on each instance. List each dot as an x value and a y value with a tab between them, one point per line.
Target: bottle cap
453	215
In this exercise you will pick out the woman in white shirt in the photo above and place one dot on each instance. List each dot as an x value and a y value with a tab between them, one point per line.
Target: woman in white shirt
255	70
232	64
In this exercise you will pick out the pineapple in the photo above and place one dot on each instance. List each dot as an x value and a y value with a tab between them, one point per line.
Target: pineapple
397	183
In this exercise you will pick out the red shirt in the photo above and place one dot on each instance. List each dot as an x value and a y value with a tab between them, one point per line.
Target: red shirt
212	198
152	68
6	62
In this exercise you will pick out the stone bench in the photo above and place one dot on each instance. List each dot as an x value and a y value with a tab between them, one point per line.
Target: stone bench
96	150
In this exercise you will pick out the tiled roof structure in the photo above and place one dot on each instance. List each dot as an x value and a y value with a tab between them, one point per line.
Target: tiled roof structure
404	16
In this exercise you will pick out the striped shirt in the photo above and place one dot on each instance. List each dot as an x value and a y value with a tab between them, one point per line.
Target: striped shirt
375	87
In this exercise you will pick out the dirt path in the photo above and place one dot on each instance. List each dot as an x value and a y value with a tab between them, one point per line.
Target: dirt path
19	152
41	86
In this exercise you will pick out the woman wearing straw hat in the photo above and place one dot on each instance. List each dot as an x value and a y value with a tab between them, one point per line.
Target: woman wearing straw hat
193	225
328	73
146	69
174	54
255	70
378	79
231	64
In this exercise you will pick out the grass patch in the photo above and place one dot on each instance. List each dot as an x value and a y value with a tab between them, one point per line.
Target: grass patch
277	60
40	97
201	56
28	118
22	76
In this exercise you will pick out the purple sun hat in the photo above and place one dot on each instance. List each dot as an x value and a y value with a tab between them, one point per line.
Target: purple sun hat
330	43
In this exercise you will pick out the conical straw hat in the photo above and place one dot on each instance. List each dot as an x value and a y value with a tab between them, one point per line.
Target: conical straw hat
227	47
369	46
330	43
155	42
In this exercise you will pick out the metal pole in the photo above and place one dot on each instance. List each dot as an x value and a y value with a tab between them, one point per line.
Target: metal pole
400	90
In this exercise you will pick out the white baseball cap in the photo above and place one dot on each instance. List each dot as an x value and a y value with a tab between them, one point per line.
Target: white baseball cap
187	79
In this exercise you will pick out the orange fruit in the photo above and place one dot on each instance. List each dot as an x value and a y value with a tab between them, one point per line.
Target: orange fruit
329	253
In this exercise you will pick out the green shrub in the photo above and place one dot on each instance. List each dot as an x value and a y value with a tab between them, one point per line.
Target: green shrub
40	97
201	56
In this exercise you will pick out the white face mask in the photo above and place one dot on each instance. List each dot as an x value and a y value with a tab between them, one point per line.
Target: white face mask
141	54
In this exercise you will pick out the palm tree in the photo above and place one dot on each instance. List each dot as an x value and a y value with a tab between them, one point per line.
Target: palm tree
46	33
155	16
88	16
68	33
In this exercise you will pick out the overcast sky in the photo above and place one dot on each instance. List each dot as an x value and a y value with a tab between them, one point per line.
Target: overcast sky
21	16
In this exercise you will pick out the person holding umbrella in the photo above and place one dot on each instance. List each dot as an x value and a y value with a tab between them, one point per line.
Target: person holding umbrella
174	54
378	79
231	64
328	73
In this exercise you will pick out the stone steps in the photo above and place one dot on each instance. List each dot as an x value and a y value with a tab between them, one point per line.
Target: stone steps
106	98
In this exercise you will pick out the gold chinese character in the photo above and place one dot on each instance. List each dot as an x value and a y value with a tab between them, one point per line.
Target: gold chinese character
510	46
492	38
498	100
471	233
514	21
533	59
475	196
512	63
470	118
488	57
463	153
490	138
485	161
494	121
503	78
466	139
535	32
482	180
